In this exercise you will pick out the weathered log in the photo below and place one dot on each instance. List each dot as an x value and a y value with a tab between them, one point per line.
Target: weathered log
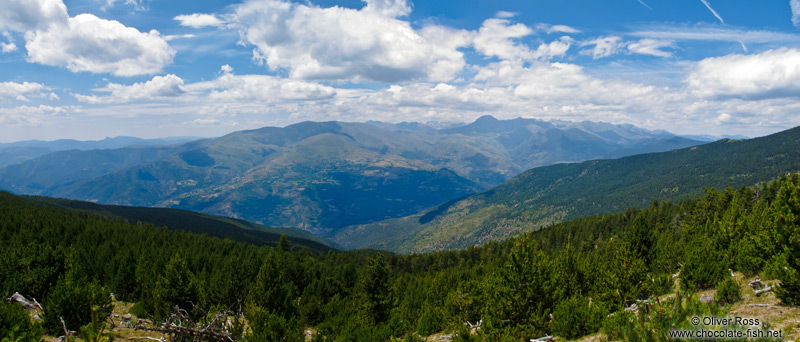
181	326
547	338
759	287
759	292
757	284
27	304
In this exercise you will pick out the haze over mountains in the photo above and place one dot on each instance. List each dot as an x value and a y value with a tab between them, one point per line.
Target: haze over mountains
16	152
322	176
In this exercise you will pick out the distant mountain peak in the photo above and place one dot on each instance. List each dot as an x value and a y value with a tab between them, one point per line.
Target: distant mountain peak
486	118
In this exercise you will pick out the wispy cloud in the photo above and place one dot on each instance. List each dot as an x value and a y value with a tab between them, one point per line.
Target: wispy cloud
198	20
644	4
795	12
603	46
10	46
505	14
705	2
137	5
611	45
651	47
713	33
556	28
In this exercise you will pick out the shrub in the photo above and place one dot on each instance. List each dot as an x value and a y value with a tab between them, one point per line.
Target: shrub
575	317
268	326
747	258
139	310
704	267
72	300
654	322
93	332
429	322
15	325
728	291
413	338
662	284
619	326
463	334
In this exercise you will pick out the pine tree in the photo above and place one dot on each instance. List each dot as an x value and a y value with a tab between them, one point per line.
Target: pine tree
519	295
72	300
273	290
175	287
787	222
373	288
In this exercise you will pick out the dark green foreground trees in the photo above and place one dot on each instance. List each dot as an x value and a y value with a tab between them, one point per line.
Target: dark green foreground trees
564	280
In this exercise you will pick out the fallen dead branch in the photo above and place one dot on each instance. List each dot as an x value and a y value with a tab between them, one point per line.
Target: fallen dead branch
180	326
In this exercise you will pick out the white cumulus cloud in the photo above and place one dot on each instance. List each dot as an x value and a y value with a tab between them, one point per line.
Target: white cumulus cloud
23	91
770	74
502	39
388	8
158	88
30	115
341	43
28	15
89	43
440	96
84	42
261	88
499	38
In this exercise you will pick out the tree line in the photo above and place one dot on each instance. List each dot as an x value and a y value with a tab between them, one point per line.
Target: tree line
567	279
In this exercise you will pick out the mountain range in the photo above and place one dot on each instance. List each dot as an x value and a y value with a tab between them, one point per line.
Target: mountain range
323	176
544	195
17	152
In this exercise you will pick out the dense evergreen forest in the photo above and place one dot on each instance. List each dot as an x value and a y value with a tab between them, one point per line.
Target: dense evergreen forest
564	280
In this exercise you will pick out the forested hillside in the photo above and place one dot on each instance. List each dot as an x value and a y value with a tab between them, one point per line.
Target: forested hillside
194	222
533	285
542	196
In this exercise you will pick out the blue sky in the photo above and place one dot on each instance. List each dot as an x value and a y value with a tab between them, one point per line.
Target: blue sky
88	69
